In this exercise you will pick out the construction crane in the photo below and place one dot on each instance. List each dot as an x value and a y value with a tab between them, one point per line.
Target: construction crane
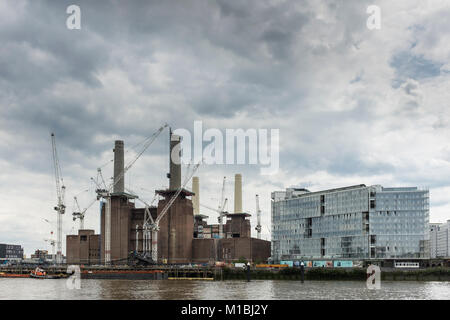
258	217
153	225
106	192
221	208
221	213
60	207
222	204
79	214
146	232
52	242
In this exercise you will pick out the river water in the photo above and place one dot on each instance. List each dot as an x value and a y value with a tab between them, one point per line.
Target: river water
26	289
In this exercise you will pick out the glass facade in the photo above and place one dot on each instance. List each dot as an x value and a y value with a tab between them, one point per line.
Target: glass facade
358	222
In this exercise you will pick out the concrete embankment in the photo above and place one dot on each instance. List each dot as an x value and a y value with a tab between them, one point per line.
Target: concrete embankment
218	274
431	274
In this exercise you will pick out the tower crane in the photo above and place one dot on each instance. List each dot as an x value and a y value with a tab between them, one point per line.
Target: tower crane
221	208
146	232
60	193
106	192
222	204
52	242
221	213
79	214
258	217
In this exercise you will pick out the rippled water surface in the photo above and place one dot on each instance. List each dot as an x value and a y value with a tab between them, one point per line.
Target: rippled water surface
236	290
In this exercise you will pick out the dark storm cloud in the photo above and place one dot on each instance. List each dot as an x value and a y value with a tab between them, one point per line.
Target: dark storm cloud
221	58
40	53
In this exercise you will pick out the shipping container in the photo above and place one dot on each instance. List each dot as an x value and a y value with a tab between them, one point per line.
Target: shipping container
319	263
271	266
343	264
289	263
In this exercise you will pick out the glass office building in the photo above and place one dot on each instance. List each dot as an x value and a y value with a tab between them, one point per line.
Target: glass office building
357	222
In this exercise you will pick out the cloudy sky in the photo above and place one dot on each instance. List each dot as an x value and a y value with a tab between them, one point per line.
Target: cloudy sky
353	105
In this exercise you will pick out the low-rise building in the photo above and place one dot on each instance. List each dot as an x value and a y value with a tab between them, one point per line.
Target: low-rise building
83	248
439	240
236	244
10	252
42	255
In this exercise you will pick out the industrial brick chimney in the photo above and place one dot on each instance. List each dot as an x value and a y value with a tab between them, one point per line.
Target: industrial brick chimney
119	160
177	225
238	193
175	162
196	197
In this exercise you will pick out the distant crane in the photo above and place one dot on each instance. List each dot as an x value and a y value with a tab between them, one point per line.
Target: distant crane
60	207
221	208
223	202
80	213
221	213
258	217
52	242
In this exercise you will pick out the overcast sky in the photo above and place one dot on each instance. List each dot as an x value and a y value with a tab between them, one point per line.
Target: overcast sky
353	105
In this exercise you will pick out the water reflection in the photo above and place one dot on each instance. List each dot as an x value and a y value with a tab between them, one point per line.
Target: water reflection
220	290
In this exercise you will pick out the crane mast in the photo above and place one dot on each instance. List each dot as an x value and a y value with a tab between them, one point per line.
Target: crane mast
52	243
221	208
221	213
78	214
81	213
258	217
60	207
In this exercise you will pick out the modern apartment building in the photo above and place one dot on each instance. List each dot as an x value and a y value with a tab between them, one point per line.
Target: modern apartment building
356	222
439	240
10	252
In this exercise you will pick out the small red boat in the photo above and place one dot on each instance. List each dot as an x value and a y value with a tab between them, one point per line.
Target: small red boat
38	273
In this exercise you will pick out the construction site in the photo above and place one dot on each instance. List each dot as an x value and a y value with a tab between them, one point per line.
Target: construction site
172	232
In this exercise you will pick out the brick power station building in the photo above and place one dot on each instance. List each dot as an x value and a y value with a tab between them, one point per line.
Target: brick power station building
183	237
